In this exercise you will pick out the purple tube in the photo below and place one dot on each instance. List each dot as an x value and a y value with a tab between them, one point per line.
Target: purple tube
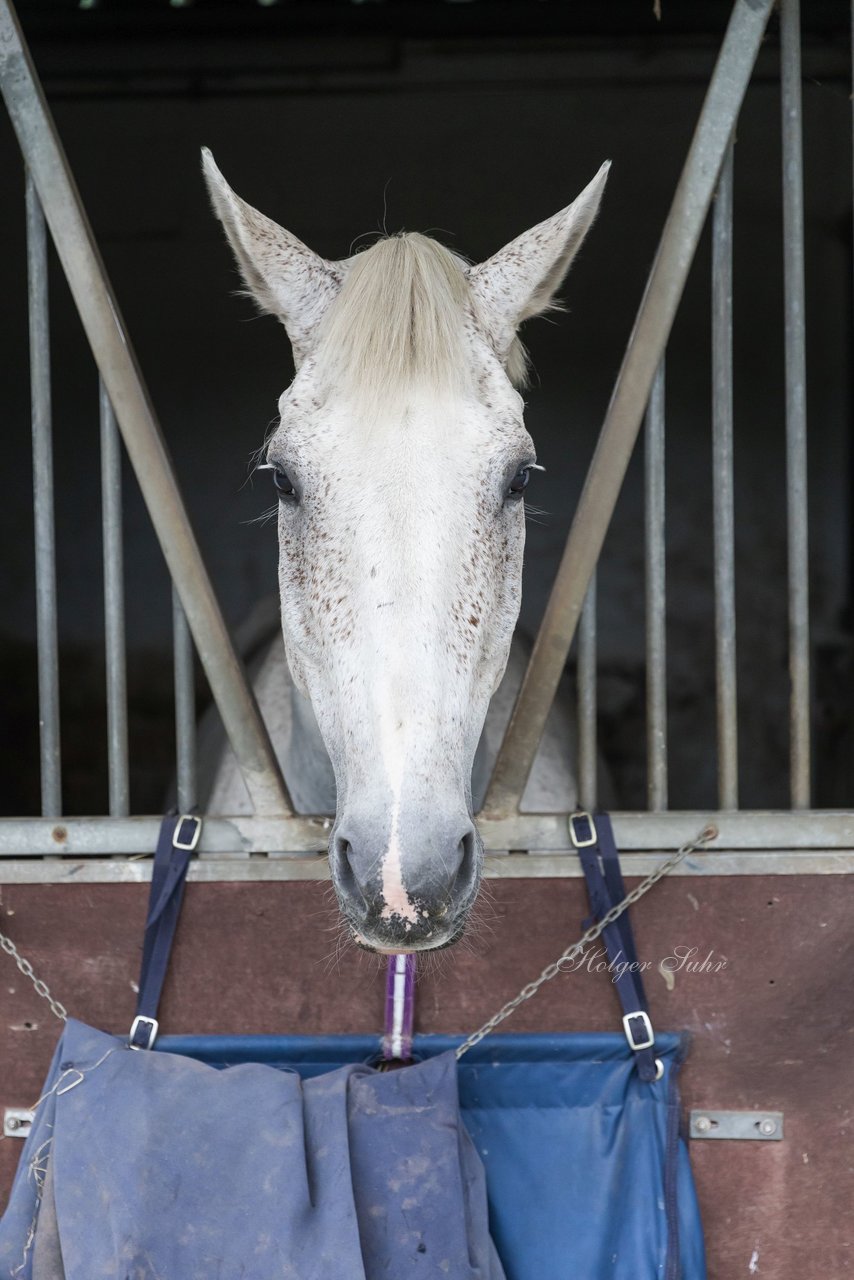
399	1008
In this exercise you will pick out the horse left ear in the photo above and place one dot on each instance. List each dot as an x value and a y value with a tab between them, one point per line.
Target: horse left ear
521	280
283	275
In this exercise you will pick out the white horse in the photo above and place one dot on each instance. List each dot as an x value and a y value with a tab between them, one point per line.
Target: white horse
400	463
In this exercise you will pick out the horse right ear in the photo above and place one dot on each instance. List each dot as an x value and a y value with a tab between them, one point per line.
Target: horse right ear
521	280
284	277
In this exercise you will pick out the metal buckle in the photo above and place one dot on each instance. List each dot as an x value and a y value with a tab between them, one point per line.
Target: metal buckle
139	1023
583	816
647	1026
190	844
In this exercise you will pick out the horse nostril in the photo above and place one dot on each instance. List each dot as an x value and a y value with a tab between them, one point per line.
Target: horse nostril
467	865
342	854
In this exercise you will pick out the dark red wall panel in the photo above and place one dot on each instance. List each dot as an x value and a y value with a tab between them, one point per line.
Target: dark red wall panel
773	1026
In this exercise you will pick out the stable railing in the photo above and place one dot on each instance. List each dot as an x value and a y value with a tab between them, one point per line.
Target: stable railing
51	188
105	848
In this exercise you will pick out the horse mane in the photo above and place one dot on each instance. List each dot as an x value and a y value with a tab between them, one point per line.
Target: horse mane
399	323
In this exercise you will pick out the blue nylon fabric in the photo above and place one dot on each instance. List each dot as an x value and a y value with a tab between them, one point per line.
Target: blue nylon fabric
580	1156
162	1168
600	862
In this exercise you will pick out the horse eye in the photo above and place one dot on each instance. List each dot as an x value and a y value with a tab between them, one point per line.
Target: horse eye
519	483
284	484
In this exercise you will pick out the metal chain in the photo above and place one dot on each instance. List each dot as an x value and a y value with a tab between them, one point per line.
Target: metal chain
551	971
7	945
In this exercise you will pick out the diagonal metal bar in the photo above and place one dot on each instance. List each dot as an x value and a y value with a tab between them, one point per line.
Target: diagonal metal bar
111	346
625	412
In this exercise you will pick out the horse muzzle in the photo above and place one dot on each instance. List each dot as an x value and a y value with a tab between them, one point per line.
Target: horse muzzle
413	896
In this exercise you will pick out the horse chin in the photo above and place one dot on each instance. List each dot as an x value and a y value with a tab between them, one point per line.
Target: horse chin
382	947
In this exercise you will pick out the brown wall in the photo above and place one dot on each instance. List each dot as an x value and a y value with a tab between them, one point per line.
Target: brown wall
772	1029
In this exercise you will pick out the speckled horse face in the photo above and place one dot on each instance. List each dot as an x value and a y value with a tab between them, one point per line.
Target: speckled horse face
400	462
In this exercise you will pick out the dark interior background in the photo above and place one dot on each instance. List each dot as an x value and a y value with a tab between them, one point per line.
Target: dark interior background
472	121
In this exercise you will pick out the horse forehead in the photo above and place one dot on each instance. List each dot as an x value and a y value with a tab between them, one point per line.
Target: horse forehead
415	436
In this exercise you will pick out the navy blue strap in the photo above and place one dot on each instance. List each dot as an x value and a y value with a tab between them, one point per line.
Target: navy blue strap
175	844
593	838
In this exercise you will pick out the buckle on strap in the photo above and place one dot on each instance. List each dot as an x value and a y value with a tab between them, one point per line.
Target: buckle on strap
648	1035
143	1032
193	836
582	816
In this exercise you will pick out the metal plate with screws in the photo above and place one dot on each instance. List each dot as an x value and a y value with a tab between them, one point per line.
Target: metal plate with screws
17	1122
758	1126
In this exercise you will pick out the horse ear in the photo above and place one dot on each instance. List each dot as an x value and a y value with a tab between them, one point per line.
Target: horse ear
521	280
284	277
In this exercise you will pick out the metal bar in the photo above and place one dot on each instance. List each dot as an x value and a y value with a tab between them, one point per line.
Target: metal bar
737	1126
669	830
587	744
99	313
631	393
722	487
521	866
185	708
656	614
114	609
796	403
43	509
79	838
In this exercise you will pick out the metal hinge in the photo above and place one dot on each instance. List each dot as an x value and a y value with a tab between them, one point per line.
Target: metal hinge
759	1126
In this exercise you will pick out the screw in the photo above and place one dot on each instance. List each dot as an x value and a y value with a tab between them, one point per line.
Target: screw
703	1124
767	1127
13	1122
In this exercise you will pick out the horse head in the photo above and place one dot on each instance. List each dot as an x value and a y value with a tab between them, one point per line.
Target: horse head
400	462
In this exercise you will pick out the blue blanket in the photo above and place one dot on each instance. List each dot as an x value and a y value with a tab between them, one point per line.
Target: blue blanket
269	1158
153	1166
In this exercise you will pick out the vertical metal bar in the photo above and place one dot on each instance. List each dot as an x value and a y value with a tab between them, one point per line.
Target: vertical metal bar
43	513
185	707
656	613
114	609
796	407
587	745
722	487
